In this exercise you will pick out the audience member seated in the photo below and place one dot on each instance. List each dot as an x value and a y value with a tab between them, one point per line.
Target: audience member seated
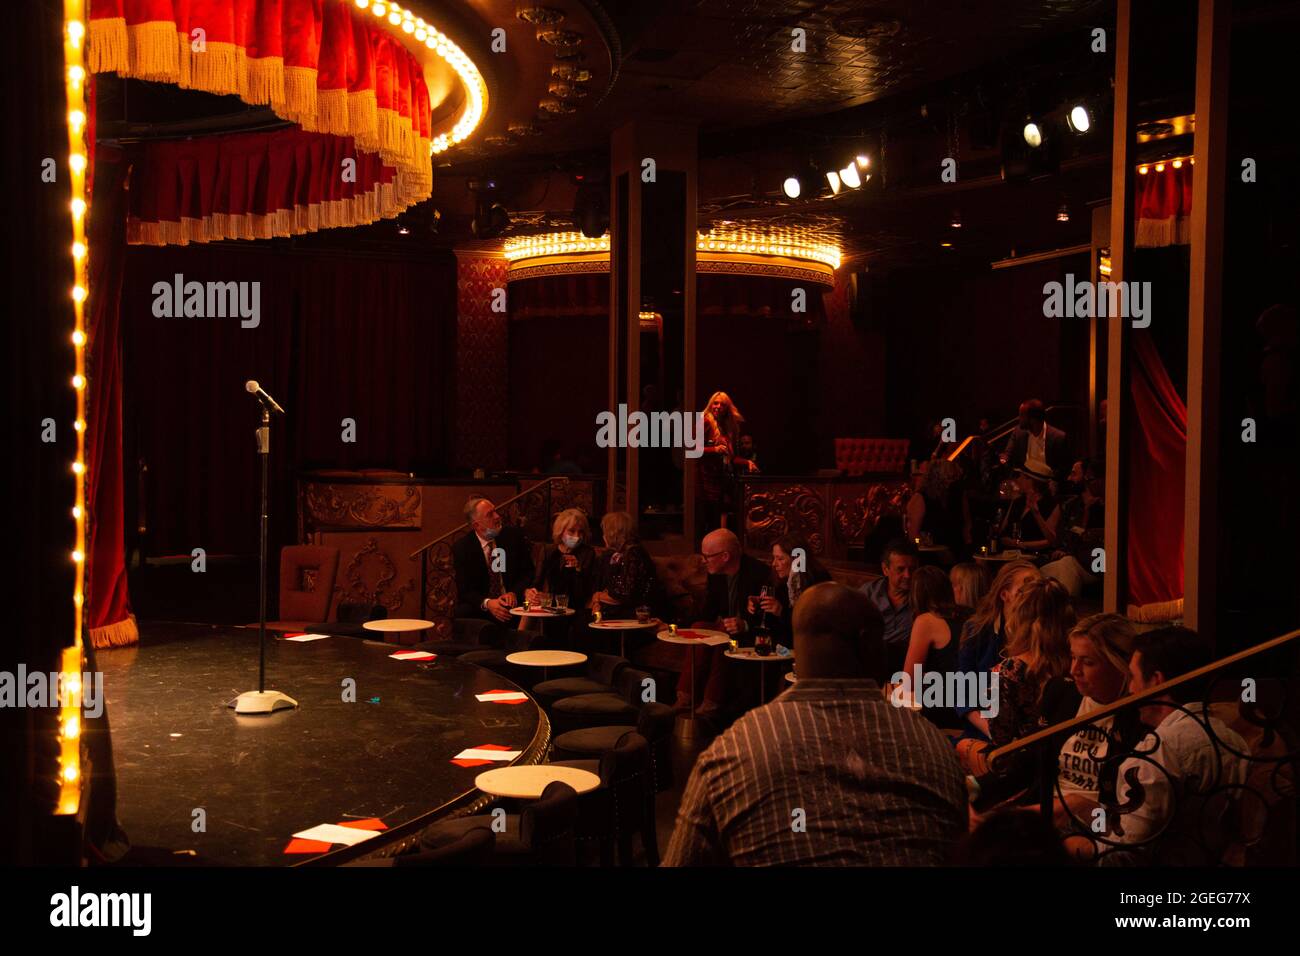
983	638
970	582
1037	650
1031	521
936	509
892	596
1012	837
787	553
627	575
1174	800
1035	443
493	565
1082	528
569	569
829	773
936	622
733	577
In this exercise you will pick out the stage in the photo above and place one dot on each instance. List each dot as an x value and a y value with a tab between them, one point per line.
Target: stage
179	749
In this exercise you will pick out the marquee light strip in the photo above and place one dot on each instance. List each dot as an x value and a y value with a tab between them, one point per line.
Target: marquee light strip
476	94
75	79
573	243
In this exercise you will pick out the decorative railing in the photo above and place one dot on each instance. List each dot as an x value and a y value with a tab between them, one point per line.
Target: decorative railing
1247	813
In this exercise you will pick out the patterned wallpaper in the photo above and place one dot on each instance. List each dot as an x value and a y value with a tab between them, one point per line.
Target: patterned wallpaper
482	363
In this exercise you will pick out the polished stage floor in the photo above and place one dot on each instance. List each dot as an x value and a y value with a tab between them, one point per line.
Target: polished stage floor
178	747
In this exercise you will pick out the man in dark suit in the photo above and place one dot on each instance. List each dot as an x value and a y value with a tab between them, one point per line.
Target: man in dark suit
493	564
1037	443
734	577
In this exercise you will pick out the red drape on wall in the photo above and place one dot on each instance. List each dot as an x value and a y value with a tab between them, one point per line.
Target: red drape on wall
339	337
254	186
322	64
1163	206
1157	462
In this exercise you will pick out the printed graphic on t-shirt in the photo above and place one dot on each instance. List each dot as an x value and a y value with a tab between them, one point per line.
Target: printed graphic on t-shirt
1083	753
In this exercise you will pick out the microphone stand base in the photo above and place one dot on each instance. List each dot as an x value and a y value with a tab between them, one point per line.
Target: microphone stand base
262	702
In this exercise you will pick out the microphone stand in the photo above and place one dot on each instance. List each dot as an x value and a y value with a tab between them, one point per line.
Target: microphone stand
263	701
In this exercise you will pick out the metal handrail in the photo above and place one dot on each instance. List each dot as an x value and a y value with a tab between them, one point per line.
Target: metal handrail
1066	727
464	525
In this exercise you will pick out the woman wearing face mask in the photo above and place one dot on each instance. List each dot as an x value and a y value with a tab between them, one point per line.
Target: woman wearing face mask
569	569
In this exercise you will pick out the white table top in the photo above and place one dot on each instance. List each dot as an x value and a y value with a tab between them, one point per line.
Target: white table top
546	658
710	638
397	624
561	612
789	676
747	654
527	783
625	625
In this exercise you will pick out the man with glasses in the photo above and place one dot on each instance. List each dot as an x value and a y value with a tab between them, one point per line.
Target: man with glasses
733	578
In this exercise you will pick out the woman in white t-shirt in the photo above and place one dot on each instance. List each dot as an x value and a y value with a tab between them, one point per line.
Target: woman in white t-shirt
1100	648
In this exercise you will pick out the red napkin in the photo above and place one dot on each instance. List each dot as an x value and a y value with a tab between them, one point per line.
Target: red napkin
297	845
480	763
500	691
696	634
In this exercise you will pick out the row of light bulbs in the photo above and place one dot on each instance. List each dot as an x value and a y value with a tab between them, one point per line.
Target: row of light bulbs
563	243
470	77
554	244
746	244
74	41
1160	167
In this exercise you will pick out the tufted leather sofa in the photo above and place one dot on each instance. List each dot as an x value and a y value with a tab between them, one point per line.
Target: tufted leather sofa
865	456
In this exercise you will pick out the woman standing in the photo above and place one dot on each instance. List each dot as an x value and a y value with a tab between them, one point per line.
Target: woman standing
720	461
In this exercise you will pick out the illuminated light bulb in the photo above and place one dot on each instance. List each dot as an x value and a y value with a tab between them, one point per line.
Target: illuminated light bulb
421	33
1178	164
78	557
1160	167
71	728
379	9
394	18
79	293
70	773
76	119
430	42
362	4
77	599
77	162
78	338
76	512
1192	160
78	207
78	468
78	381
849	176
863	161
1033	135
1079	119
73	682
76	30
79	426
76	75
1142	170
78	250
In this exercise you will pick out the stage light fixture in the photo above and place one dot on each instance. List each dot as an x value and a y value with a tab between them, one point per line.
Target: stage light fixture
1033	134
863	161
834	179
849	176
1079	119
791	187
490	220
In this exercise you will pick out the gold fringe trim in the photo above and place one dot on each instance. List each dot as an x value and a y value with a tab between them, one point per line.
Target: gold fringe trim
363	117
299	102
219	68
332	112
153	51
263	81
108	48
116	635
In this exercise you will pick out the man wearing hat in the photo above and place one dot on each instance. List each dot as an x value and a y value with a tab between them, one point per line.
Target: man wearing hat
1030	523
1037	444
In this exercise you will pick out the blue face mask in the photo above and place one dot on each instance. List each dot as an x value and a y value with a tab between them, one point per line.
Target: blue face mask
491	533
571	541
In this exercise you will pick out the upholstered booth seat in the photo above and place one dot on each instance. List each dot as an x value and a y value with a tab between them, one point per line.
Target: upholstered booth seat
598	710
622	807
543	834
654	723
865	456
602	669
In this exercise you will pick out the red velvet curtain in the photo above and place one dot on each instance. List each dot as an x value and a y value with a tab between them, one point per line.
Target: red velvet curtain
340	337
1163	206
1157	462
254	186
108	606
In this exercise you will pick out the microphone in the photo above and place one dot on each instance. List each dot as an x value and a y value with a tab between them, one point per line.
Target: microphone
254	389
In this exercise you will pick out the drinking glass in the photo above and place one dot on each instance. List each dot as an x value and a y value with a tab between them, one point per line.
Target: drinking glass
562	601
643	614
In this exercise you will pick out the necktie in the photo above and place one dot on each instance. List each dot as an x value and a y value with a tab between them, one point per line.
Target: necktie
496	586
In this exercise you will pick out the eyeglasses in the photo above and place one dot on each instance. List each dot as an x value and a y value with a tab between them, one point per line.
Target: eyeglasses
715	554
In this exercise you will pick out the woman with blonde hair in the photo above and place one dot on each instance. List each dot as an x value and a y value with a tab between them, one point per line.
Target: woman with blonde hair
627	575
982	639
568	569
970	582
720	459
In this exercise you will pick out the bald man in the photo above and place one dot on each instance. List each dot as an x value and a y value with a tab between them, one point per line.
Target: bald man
830	773
733	578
